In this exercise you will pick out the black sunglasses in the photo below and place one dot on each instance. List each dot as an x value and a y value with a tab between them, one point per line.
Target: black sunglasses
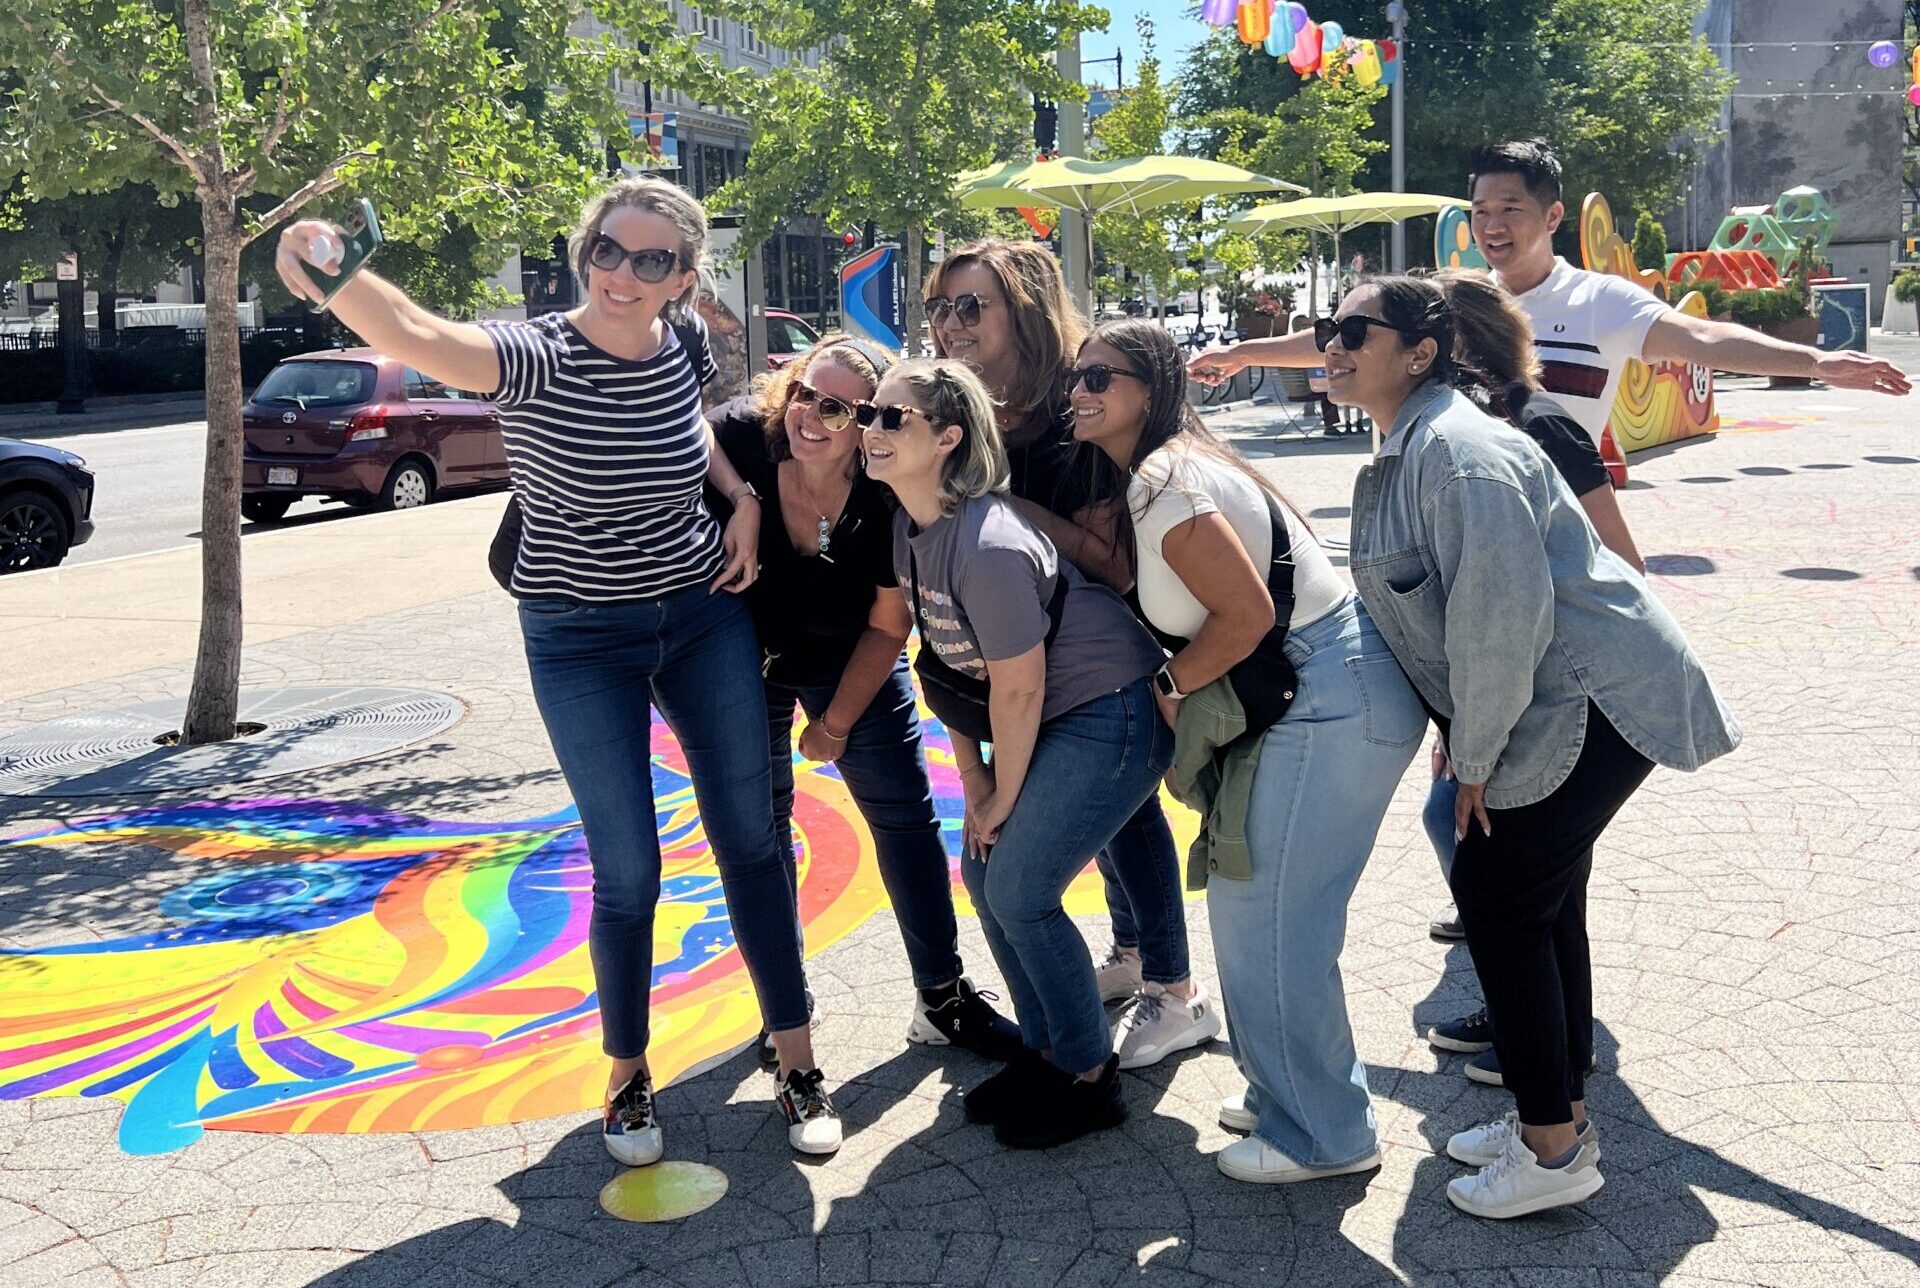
1098	377
1352	331
835	413
650	266
891	418
966	308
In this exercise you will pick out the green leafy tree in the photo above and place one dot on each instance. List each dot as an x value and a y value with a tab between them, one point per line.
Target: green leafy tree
1649	243
1137	125
1623	89
906	97
422	104
129	240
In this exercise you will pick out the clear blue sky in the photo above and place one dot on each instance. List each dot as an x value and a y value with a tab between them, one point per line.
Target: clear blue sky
1176	28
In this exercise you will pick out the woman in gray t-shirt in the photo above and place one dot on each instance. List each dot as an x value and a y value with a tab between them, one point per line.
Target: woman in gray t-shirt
1077	741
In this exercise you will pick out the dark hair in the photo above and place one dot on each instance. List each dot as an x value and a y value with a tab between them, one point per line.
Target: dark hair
1531	159
1153	355
1417	306
1491	337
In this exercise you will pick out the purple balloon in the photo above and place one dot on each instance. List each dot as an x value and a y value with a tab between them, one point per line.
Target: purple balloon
1884	54
1300	18
1220	13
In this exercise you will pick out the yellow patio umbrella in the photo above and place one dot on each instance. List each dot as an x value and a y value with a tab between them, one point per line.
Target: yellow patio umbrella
1129	185
1335	215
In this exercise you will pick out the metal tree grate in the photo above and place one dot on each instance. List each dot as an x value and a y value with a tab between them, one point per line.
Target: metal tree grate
113	753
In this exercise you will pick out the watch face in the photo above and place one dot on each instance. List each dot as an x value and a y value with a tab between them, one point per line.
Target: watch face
1163	681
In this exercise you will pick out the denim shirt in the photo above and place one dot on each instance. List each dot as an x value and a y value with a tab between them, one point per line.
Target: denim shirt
1484	576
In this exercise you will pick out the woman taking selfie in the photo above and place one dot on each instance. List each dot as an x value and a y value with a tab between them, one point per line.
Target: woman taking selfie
618	575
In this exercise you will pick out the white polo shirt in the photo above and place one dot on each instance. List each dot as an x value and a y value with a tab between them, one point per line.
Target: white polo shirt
1586	326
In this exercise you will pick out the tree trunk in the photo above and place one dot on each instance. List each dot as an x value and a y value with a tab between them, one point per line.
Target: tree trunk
213	704
107	286
911	250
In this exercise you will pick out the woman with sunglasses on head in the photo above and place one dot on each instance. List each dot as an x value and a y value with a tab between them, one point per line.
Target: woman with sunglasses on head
831	635
1019	650
1558	681
1206	532
617	573
1003	309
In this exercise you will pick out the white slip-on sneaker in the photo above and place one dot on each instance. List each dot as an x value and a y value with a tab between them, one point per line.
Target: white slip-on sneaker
1483	1145
1234	1114
813	1124
628	1126
1155	1024
1259	1163
1516	1184
1118	974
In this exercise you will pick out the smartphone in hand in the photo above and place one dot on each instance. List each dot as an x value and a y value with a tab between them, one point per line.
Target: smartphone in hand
360	233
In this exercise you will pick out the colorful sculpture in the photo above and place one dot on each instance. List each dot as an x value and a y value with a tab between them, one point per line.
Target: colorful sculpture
1776	230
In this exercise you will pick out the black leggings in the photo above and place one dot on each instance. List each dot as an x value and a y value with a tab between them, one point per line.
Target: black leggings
1522	895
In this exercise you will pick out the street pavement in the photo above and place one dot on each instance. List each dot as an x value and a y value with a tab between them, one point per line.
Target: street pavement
1754	939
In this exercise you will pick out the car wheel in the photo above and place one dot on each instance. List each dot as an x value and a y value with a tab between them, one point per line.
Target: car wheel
265	509
410	485
33	531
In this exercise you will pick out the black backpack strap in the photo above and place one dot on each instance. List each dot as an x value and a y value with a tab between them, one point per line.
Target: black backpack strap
693	340
1280	567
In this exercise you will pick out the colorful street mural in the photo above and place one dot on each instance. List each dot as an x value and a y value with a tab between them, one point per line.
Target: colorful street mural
324	967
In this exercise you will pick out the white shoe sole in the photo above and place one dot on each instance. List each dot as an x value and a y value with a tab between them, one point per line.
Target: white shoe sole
636	1151
1588	1186
813	1147
1240	1120
1254	1176
1476	1074
1194	1035
923	1031
1441	1042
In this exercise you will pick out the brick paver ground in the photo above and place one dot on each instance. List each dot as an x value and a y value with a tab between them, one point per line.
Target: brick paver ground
1756	964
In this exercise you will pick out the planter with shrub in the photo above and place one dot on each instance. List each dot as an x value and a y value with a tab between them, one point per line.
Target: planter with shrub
1902	311
1780	312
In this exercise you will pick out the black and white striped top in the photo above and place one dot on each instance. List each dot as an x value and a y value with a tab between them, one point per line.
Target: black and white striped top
608	457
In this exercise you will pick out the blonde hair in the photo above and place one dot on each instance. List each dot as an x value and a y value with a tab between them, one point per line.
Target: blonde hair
671	202
1047	326
1492	338
949	392
773	389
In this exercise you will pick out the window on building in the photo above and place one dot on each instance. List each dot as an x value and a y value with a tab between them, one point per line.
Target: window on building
547	283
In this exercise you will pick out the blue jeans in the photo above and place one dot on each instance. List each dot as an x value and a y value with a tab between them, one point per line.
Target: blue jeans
1091	769
1145	893
693	653
1327	772
887	778
1436	816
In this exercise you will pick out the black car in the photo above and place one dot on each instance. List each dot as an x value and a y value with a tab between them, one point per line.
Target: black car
46	505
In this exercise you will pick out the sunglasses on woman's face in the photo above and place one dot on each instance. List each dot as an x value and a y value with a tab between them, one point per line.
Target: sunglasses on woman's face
835	413
891	418
1352	331
1098	377
650	266
964	308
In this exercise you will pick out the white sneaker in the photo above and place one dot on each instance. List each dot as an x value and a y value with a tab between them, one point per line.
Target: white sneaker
1516	1184
1155	1024
1257	1162
628	1127
1118	974
1234	1114
1481	1146
813	1124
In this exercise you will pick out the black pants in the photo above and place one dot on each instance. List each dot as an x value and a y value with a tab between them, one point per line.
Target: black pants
1522	895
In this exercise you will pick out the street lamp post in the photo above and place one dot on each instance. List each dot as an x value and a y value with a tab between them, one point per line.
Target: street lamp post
1397	16
1076	250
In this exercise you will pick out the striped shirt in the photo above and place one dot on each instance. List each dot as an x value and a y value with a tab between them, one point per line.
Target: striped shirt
608	456
1586	326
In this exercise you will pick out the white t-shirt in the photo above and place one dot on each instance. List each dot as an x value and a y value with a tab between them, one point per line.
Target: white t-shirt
1586	326
1175	485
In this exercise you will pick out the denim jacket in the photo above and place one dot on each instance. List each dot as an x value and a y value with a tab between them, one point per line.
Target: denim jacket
1485	578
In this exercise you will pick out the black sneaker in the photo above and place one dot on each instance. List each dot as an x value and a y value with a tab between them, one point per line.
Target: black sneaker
995	1097
966	1020
1446	926
813	1124
763	1045
629	1129
1469	1035
1064	1108
1485	1068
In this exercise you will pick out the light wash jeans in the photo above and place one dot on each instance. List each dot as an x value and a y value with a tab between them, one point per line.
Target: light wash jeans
1327	771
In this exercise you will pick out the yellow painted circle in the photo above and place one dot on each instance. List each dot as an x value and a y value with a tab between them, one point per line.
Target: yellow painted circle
663	1192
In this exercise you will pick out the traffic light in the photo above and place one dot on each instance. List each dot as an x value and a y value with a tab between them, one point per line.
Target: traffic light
1046	125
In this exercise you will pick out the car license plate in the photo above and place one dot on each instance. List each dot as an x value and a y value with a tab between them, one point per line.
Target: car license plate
282	476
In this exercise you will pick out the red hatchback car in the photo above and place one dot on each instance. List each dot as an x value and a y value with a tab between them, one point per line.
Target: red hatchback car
356	426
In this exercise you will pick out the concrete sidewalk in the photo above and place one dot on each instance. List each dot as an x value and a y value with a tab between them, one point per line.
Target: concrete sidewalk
102	415
1753	933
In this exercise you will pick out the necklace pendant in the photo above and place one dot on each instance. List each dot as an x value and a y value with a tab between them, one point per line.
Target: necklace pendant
826	536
